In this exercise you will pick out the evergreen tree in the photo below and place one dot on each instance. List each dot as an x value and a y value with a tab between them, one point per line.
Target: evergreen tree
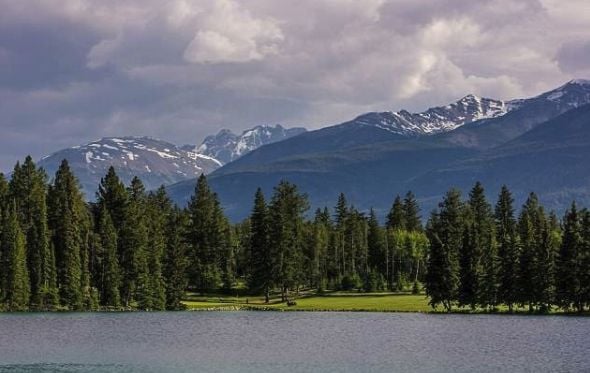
17	277
396	219
28	190
286	234
66	219
176	260
204	231
134	246
506	238
110	275
159	208
376	251
469	276
261	260
446	237
112	194
411	210
569	289
485	259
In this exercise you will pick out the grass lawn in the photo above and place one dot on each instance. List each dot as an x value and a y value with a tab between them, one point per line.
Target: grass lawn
376	302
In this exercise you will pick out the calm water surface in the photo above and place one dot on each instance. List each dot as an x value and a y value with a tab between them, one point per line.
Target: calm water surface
291	341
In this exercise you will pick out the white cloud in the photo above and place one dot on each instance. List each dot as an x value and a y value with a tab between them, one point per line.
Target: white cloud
231	34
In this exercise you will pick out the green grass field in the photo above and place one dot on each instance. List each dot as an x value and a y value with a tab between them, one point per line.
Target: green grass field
375	302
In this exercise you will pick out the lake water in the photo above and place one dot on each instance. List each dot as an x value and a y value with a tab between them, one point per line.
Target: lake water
292	341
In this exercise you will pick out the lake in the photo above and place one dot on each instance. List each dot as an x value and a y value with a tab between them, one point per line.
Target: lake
291	341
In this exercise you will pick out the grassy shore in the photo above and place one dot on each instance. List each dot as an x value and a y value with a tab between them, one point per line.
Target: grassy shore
335	301
331	302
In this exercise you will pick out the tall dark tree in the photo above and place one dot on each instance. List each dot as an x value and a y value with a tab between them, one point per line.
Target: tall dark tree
261	255
376	252
158	210
469	271
396	219
110	275
134	249
176	260
508	254
412	218
445	233
68	218
205	236
17	288
28	191
569	287
286	212
485	254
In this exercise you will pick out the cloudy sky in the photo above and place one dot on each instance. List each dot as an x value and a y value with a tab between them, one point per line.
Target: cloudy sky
75	70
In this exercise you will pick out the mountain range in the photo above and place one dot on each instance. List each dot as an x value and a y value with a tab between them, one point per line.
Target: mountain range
378	155
539	143
159	162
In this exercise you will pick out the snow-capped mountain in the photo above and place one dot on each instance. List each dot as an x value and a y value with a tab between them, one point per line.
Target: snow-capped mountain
227	146
571	95
437	119
156	162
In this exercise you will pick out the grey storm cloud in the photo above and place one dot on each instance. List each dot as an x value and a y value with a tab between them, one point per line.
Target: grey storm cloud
75	70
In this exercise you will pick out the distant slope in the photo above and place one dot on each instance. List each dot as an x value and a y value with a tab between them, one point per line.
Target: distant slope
156	162
551	160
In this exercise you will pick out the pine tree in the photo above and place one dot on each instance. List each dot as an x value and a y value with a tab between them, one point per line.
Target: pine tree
261	260
446	237
507	249
584	254
396	219
134	250
286	234
441	278
204	270
110	276
569	289
412	218
28	190
112	194
66	220
469	276
376	250
17	276
159	208
176	260
485	259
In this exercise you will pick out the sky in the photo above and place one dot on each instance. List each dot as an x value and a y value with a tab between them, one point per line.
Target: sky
72	71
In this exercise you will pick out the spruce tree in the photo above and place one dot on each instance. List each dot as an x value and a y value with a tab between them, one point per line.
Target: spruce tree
110	276
67	215
17	276
159	208
261	258
469	276
569	275
506	238
134	246
446	236
396	219
485	261
376	251
28	190
286	212
412	216
204	270
176	261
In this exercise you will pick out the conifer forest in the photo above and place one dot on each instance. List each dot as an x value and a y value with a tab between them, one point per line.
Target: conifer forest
133	249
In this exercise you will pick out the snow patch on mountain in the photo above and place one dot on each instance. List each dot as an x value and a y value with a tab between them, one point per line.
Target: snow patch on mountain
227	146
438	119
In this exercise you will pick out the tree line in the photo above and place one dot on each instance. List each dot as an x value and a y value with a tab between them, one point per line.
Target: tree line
135	249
